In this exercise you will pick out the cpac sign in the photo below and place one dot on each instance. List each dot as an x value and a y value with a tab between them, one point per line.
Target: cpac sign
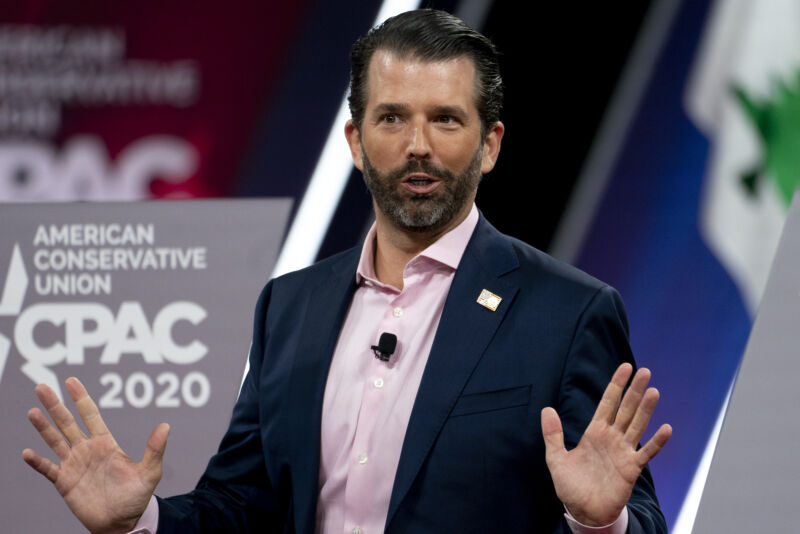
32	170
154	344
94	325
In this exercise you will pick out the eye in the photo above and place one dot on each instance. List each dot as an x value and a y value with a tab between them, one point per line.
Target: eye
447	119
390	118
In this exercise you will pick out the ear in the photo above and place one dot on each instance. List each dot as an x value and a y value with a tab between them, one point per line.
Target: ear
354	140
491	146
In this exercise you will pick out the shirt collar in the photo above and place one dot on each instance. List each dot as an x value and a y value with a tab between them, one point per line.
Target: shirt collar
447	250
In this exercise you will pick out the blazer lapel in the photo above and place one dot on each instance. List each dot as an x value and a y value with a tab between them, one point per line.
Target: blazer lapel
327	307
464	332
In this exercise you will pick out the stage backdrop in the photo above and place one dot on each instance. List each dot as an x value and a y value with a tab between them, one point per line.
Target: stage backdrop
144	100
683	207
127	101
150	305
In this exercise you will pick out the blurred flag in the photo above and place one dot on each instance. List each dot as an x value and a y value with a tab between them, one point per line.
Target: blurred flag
641	216
744	95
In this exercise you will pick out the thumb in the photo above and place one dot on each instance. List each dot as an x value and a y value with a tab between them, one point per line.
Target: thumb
154	451
553	434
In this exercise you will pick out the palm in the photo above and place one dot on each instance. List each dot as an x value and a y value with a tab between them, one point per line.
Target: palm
595	479
104	488
98	481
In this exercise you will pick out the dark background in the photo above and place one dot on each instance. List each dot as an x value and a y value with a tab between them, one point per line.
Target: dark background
560	63
557	87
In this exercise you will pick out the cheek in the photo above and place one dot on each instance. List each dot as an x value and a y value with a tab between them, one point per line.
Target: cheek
456	149
383	154
457	158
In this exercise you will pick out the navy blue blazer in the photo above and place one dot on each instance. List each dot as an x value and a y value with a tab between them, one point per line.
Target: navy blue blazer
473	456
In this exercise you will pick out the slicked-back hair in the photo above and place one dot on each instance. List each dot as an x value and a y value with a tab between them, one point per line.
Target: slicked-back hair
429	35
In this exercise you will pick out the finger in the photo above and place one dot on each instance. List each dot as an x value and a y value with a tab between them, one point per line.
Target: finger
154	452
41	464
54	439
86	407
641	418
632	399
607	407
654	445
61	416
553	435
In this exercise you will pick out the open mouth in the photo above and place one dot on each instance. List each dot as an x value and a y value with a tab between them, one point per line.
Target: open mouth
420	178
420	184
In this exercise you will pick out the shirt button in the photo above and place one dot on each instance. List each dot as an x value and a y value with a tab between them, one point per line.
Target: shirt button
362	458
378	383
357	530
398	311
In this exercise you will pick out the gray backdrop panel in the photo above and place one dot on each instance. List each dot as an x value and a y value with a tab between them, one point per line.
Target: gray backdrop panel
151	377
754	479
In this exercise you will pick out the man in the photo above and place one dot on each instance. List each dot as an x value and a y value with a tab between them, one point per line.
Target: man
452	430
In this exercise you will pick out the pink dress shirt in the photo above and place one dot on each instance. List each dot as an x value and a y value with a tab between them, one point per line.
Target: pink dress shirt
368	402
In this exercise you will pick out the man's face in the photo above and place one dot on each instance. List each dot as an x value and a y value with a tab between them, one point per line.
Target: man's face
419	146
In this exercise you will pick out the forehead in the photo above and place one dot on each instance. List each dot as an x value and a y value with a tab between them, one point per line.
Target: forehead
407	79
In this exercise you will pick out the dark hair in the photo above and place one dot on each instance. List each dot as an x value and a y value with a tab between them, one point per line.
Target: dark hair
429	35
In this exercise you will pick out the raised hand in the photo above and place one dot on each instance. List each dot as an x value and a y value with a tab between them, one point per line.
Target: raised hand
104	488
595	479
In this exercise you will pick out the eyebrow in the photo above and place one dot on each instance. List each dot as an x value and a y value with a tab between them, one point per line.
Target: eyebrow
396	107
390	107
456	111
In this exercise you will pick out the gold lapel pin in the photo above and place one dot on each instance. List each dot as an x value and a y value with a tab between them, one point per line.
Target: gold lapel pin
487	299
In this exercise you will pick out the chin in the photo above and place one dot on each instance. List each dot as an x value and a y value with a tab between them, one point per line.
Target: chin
418	222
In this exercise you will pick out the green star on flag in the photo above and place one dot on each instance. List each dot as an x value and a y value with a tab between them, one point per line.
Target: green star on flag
777	121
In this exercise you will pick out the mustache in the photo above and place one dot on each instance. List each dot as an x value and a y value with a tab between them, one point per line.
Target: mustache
416	165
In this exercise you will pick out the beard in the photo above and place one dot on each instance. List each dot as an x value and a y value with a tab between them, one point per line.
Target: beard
428	211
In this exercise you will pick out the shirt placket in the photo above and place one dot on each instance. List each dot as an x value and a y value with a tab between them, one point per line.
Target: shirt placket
362	477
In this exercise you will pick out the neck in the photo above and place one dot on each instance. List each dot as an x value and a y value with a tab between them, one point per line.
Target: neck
395	247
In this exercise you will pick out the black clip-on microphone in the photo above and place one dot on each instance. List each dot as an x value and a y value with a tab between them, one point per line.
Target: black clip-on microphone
385	347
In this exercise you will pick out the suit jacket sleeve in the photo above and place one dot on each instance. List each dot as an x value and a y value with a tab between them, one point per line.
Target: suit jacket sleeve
600	344
235	493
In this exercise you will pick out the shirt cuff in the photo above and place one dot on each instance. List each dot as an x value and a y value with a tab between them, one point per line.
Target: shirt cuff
148	523
617	527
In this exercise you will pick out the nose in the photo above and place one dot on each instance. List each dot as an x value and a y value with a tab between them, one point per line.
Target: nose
418	144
